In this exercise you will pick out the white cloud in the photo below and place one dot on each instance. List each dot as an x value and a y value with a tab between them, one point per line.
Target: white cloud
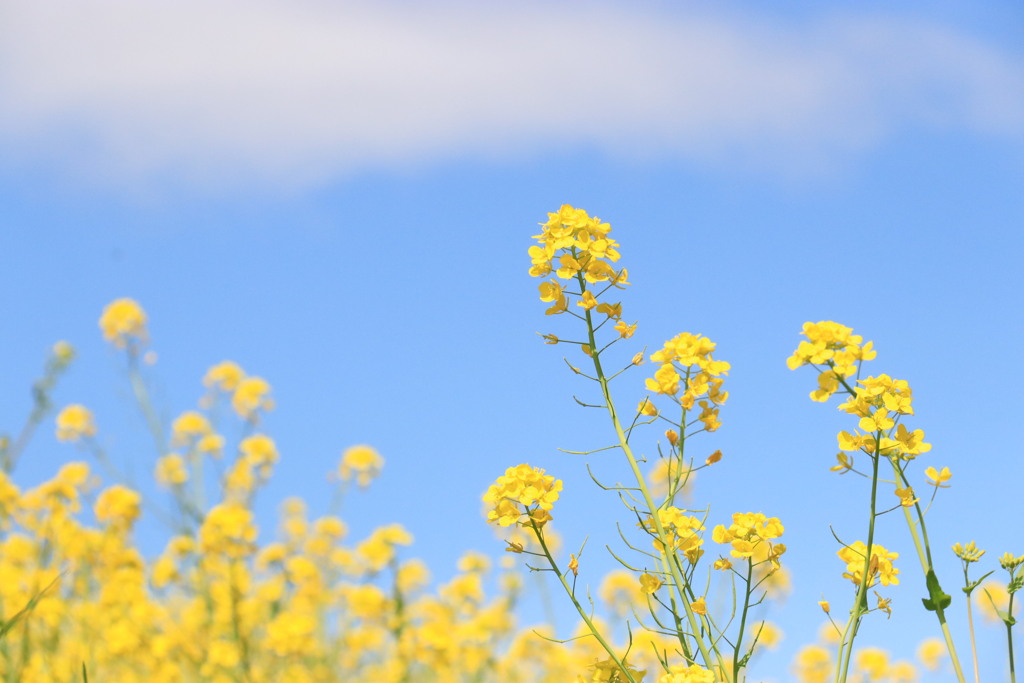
306	90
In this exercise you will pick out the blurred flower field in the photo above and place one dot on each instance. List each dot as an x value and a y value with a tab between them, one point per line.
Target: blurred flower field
228	602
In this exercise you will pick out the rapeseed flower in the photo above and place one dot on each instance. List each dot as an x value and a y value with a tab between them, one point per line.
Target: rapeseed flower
122	322
523	491
879	568
74	423
361	462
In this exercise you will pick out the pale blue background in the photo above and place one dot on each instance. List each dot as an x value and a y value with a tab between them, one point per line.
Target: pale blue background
352	225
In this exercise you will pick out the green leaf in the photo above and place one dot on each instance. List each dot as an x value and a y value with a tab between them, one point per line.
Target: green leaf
969	588
936	598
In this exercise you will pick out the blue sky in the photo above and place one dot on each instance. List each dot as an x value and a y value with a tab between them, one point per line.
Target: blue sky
339	197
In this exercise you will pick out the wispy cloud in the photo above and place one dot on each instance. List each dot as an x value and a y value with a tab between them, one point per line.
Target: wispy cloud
302	91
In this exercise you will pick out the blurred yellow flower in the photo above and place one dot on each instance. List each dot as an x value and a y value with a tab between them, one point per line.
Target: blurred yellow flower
361	462
122	321
224	376
75	422
251	396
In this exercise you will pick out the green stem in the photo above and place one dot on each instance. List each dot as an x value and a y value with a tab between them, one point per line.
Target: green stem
924	554
860	602
970	625
579	608
743	623
153	421
670	559
1009	636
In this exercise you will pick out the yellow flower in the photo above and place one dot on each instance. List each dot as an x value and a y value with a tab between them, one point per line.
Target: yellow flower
170	470
517	492
75	422
938	479
646	407
224	376
189	425
625	330
122	321
884	604
650	583
880	566
666	380
813	664
1010	562
874	662
363	462
587	301
63	352
118	506
930	652
699	606
552	292
968	553
251	396
906	496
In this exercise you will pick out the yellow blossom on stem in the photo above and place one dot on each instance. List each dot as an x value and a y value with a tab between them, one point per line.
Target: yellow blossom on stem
118	506
224	376
968	553
522	490
361	462
626	331
650	583
906	496
189	426
123	321
880	566
251	395
930	652
171	470
938	479
74	423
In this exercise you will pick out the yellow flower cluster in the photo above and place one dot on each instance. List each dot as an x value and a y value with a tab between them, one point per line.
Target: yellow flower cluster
880	566
250	395
748	531
834	346
361	462
75	422
681	531
879	402
571	243
123	321
686	365
523	491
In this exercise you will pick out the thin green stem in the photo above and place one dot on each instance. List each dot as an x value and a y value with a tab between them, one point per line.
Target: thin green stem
970	626
153	422
924	554
579	608
860	602
1009	636
670	558
743	622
